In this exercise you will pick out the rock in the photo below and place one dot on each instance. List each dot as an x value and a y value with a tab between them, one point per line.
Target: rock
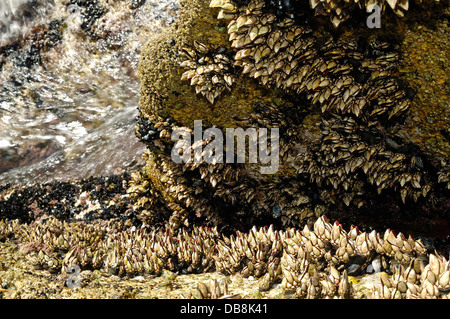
239	195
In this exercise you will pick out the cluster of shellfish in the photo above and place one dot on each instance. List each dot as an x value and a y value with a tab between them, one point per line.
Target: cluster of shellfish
321	252
210	72
344	162
183	194
339	75
338	11
146	200
83	199
196	189
52	244
213	290
323	261
444	174
145	130
354	82
222	194
354	85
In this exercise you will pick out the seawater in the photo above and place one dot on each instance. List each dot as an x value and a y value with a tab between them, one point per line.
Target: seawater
81	100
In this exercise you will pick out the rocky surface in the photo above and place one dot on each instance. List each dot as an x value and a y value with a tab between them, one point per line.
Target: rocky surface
192	231
389	179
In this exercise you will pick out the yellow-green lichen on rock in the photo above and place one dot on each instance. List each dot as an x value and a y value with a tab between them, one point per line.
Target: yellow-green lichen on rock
426	63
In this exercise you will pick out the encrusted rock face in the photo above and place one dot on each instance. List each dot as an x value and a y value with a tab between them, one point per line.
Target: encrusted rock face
335	95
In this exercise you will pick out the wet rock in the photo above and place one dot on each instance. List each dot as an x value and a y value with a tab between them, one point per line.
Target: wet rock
26	154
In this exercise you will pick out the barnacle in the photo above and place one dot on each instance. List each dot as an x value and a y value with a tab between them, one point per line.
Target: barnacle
444	174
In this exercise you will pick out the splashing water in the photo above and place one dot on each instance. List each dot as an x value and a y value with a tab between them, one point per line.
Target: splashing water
69	87
16	16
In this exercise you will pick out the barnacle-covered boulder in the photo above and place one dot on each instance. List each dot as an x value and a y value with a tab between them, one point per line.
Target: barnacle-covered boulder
332	91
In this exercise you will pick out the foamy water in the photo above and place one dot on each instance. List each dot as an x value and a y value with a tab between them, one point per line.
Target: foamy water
16	17
76	108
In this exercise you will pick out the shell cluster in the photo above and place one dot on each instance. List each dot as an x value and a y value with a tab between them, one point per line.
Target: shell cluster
183	194
213	290
342	161
145	130
313	257
323	261
211	72
54	245
338	11
137	251
209	192
85	199
146	200
338	75
444	174
352	82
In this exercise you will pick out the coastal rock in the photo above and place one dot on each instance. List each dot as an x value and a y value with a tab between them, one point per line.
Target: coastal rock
335	94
